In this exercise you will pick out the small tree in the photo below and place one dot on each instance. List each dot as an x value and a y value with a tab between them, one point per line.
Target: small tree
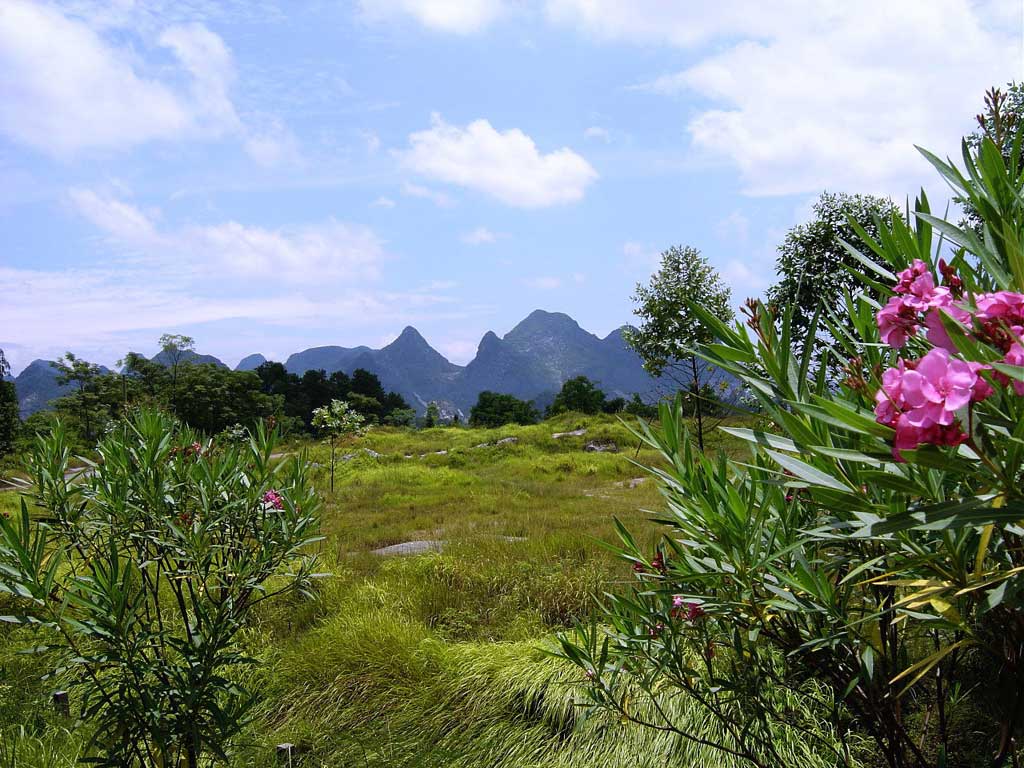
176	348
433	415
146	570
578	394
84	375
671	330
337	422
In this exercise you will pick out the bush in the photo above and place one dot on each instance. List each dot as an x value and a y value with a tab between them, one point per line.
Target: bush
495	410
872	541
144	572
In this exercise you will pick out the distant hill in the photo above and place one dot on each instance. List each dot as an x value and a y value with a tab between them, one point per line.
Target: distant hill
250	362
531	361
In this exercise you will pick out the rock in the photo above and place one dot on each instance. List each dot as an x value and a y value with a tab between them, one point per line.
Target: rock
411	548
507	441
483	445
574	433
408	456
371	453
633	482
601	446
348	457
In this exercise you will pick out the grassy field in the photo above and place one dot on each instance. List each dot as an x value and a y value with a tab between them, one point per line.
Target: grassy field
438	658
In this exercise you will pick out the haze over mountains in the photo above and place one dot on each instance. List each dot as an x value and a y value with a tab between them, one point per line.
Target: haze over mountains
531	361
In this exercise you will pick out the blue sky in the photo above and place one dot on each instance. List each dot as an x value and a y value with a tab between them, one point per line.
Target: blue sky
268	176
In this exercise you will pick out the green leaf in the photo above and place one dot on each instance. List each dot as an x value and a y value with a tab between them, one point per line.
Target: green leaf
805	471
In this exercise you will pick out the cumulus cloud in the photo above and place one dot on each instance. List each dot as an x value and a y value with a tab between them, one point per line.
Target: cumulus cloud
308	254
456	16
503	164
480	236
65	88
806	94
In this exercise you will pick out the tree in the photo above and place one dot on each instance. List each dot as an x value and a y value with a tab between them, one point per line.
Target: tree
671	330
1000	121
813	264
432	416
637	407
338	422
176	349
493	409
868	540
145	572
578	394
401	417
10	420
84	375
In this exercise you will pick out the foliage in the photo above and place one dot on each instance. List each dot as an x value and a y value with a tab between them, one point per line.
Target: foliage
670	330
578	394
84	375
637	407
493	409
1000	121
145	571
815	269
176	349
300	395
10	416
337	422
872	541
432	416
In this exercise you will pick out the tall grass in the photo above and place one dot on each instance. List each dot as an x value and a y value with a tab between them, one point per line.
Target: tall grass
438	659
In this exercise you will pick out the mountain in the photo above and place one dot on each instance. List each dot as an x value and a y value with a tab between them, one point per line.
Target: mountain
531	361
250	362
37	386
164	359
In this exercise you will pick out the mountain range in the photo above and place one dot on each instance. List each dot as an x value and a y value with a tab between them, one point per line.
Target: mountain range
531	361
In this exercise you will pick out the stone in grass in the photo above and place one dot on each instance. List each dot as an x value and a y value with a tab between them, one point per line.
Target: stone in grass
601	446
507	441
633	482
418	547
574	433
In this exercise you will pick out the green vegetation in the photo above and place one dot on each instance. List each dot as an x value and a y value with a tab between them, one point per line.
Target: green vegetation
432	659
495	410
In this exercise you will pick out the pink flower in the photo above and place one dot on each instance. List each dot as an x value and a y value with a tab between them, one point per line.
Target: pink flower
677	601
915	280
1002	305
1015	356
274	499
938	386
937	333
897	321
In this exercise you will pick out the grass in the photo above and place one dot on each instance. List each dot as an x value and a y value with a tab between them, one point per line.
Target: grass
436	659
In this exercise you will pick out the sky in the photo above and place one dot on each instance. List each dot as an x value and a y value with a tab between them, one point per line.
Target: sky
271	175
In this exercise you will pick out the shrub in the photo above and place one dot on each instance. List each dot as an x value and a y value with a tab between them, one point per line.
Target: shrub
144	572
872	541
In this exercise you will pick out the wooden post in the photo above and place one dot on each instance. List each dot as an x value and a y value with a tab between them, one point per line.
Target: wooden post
61	703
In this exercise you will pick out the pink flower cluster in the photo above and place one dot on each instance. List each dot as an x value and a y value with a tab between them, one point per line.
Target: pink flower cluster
920	398
684	609
273	499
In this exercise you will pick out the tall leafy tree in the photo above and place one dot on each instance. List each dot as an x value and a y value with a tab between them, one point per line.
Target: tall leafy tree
176	350
812	264
84	375
9	412
494	409
578	394
1001	120
670	330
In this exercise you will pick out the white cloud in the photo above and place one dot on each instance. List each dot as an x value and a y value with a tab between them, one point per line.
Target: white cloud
457	16
64	88
440	199
596	132
544	283
383	202
306	255
640	258
503	164
807	94
480	236
459	351
273	146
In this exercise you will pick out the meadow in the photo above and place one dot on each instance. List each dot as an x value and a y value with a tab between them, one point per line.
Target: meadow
439	657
